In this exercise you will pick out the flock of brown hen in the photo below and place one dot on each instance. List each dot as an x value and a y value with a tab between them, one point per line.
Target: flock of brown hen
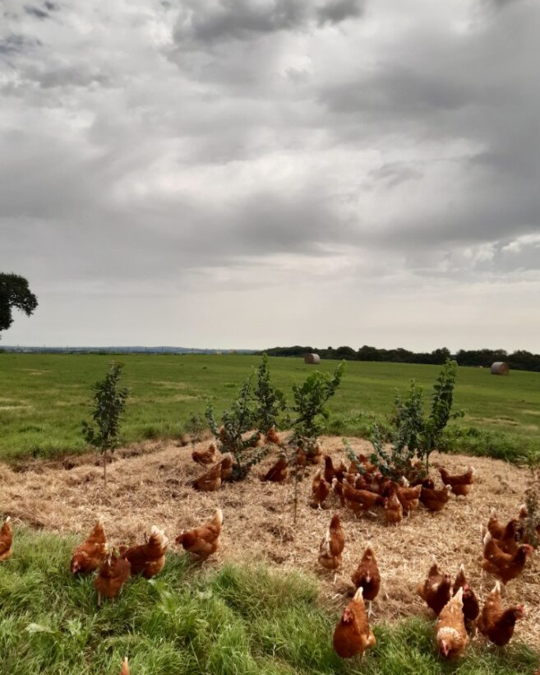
455	605
115	565
360	488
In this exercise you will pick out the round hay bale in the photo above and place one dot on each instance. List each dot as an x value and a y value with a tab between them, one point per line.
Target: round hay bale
500	368
312	359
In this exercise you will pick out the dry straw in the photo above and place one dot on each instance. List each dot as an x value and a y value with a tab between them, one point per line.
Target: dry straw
151	485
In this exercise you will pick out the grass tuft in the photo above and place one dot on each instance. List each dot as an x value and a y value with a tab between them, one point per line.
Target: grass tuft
233	621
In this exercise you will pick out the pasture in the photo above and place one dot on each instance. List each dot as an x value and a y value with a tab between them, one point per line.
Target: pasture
44	398
261	604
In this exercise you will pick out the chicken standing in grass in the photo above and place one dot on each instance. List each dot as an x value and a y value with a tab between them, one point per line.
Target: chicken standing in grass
435	590
452	638
202	541
90	554
367	576
332	545
353	635
471	607
148	558
113	574
125	667
6	540
496	623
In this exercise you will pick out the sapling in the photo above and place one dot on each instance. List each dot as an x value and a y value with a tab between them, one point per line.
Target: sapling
235	423
441	413
269	400
309	414
109	404
415	435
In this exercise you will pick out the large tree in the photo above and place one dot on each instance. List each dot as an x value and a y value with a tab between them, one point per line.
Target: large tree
14	294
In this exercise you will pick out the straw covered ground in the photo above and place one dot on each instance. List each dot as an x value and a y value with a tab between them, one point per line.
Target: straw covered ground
151	485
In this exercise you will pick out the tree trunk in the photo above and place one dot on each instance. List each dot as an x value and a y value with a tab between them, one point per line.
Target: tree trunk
105	453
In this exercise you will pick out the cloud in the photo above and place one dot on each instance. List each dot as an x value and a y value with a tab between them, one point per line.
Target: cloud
223	20
318	155
13	44
336	11
36	12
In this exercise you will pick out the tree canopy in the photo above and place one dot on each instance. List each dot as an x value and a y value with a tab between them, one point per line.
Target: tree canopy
14	294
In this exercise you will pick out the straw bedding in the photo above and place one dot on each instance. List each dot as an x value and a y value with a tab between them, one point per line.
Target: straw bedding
151	485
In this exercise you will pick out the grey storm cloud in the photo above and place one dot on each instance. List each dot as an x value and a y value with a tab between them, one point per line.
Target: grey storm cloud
13	43
224	20
36	12
218	146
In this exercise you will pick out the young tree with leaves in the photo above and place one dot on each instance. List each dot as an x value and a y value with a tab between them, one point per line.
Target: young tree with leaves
309	412
413	434
109	404
308	420
441	413
269	400
235	423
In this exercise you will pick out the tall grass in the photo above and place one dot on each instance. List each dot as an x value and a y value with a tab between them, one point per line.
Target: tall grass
231	621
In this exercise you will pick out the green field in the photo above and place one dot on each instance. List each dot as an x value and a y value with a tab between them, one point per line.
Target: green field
231	621
44	398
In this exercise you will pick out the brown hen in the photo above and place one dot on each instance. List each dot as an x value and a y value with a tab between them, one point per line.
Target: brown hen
332	545
435	590
148	558
353	635
113	574
504	566
6	540
89	555
367	576
202	541
496	623
452	638
205	457
278	472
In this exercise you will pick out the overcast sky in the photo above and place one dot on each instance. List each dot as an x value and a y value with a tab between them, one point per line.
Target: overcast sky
252	173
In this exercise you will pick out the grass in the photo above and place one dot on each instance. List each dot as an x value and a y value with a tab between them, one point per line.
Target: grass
43	399
231	621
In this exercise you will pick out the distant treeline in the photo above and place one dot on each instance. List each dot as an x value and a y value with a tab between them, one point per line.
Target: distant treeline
519	360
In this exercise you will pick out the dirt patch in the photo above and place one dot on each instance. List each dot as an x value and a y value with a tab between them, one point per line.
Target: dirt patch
150	484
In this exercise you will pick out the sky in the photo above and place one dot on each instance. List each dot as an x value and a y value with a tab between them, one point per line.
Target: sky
254	173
